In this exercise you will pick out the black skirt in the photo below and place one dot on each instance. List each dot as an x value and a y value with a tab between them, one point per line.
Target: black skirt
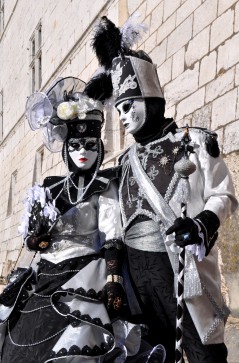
64	316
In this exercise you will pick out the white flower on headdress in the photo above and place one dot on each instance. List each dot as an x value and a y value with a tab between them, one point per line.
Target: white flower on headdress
86	105
67	110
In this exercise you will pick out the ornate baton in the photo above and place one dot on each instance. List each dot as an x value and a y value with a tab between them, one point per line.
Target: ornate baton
184	168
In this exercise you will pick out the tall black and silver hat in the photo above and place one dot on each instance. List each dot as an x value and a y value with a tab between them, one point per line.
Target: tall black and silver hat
133	75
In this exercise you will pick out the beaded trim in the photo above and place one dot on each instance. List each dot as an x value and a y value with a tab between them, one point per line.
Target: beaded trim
32	311
18	295
32	344
171	187
59	273
44	296
221	314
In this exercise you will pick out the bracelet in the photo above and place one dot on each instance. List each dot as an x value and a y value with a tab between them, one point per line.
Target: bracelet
115	278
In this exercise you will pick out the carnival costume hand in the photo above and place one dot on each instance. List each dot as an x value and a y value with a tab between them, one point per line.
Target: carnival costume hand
202	228
115	296
186	232
38	243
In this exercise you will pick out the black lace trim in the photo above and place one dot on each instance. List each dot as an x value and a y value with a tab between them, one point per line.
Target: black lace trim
76	317
89	294
86	350
66	264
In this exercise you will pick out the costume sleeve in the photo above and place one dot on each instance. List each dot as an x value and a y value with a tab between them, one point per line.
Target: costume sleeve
217	188
40	214
110	225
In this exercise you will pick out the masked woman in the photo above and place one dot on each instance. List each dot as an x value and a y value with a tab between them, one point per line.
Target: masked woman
57	314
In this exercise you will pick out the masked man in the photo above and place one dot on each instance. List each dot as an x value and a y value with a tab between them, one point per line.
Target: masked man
153	228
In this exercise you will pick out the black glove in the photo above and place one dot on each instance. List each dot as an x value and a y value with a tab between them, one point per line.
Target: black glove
186	232
113	293
38	243
114	297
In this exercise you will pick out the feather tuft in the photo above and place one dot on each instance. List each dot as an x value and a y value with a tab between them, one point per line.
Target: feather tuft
106	42
99	87
132	32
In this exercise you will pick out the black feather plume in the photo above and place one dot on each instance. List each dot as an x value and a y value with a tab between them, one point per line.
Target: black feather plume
99	87
106	42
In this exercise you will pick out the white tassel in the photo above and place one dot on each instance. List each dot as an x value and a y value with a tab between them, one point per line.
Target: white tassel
182	193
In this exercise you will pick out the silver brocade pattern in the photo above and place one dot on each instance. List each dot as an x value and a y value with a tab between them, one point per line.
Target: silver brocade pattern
155	150
211	189
167	217
85	227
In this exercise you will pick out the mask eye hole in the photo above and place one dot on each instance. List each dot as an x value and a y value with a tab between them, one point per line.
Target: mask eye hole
91	145
74	146
127	106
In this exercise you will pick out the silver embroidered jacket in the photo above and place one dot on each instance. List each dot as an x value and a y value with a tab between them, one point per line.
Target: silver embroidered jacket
211	189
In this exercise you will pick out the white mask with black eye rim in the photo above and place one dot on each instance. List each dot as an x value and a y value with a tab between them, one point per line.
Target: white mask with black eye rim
83	151
132	114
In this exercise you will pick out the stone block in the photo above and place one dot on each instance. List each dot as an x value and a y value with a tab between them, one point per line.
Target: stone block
236	21
151	4
219	133
150	43
208	68
231	137
141	12
224	109
224	5
187	120
113	12
228	53
197	47
180	36
133	5
170	7
186	9
237	106
158	54
204	15
170	111
237	75
156	18
191	103
202	117
178	63
182	86
221	29
222	84
165	72
166	28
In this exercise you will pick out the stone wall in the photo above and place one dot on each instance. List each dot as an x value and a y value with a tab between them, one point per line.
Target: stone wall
195	46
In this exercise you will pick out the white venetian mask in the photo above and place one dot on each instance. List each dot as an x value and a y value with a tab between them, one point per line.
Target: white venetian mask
83	151
132	114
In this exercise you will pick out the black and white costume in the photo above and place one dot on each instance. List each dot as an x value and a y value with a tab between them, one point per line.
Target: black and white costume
148	187
58	312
